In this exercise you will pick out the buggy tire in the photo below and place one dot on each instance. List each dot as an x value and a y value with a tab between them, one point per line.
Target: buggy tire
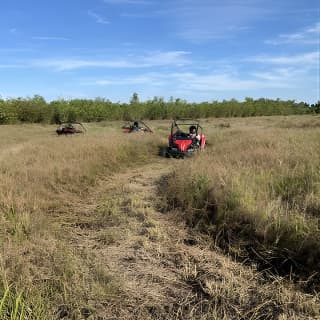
163	152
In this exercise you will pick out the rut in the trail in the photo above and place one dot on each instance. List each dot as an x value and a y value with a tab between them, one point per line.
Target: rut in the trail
157	269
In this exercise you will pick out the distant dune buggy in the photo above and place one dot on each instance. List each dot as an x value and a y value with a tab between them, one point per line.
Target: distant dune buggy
185	139
136	126
70	128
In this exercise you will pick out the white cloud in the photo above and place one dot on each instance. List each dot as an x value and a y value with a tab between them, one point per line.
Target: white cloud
275	74
72	64
194	82
177	58
202	20
306	59
98	18
10	66
309	35
314	29
172	58
290	75
14	50
127	1
152	79
220	82
136	15
48	38
198	35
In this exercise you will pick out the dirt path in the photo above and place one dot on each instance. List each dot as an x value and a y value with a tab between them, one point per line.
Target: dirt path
148	265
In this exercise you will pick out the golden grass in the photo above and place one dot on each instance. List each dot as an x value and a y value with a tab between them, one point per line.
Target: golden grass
257	187
41	176
66	214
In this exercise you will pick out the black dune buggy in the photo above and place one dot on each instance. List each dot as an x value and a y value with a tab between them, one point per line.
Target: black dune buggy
136	126
185	139
70	128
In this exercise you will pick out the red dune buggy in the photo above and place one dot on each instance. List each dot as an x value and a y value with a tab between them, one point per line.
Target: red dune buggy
136	126
185	139
70	128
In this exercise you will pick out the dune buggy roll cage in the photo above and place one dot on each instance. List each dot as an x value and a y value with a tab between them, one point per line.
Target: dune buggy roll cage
68	123
130	122
185	122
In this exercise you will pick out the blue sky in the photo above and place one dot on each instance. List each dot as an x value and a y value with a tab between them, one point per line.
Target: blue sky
198	50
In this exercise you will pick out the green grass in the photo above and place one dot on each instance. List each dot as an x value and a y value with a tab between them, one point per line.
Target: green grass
15	306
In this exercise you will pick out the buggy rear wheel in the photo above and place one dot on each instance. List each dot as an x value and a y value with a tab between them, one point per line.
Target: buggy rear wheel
163	152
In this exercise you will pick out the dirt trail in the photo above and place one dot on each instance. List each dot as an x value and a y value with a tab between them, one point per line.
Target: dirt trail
157	268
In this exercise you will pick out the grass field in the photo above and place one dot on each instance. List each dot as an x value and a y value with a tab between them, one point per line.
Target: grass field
257	188
98	226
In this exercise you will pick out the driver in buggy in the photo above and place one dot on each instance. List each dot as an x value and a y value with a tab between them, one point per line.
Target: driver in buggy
135	126
193	135
69	126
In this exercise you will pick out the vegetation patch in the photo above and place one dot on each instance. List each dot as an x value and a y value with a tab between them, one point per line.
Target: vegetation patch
81	236
37	110
256	196
41	179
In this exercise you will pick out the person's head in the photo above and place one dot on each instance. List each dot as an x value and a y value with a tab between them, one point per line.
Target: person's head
136	124
193	129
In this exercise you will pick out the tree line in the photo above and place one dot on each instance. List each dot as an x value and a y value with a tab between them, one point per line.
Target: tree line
37	110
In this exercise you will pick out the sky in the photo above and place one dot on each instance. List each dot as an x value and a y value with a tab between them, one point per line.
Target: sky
198	50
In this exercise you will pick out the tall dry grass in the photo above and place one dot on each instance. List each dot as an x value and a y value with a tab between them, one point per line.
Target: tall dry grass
255	187
256	191
41	176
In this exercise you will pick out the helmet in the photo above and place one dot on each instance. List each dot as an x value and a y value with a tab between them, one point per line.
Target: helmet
192	129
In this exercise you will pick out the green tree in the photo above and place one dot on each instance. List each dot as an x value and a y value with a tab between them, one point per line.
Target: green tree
315	108
134	99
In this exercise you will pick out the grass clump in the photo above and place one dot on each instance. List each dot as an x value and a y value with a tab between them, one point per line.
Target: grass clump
41	179
256	194
297	188
16	305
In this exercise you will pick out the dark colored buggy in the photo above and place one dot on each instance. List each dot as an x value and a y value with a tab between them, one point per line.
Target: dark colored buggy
70	128
136	126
